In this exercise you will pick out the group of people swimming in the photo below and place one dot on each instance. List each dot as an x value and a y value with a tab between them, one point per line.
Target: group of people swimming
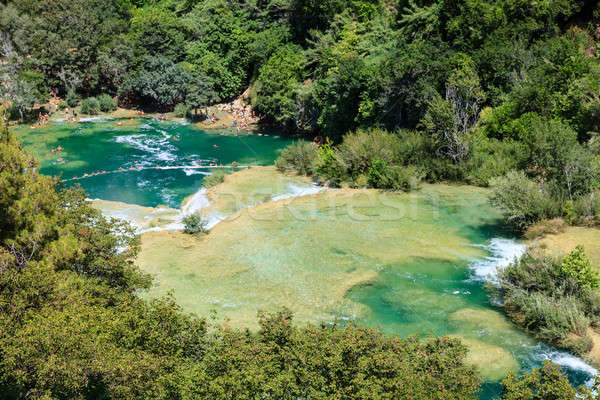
43	119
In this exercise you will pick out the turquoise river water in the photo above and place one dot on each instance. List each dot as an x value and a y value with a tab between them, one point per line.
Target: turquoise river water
150	162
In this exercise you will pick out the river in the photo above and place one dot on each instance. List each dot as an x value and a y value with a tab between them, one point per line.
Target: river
407	263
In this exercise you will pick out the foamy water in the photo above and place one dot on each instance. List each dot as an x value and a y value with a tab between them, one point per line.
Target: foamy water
503	253
159	148
196	203
297	191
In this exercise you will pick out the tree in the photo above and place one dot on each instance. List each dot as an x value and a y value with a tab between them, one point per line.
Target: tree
545	383
522	200
277	86
449	120
200	92
159	82
15	90
578	265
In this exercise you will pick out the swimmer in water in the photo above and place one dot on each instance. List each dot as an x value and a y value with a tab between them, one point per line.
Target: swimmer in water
215	146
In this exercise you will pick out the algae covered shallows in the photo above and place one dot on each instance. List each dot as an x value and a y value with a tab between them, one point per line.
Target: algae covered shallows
403	262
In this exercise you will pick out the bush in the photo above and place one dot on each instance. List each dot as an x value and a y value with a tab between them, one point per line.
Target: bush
328	167
90	106
523	201
62	105
578	265
382	176
587	208
214	179
72	98
194	224
552	297
106	103
182	110
361	149
299	157
492	158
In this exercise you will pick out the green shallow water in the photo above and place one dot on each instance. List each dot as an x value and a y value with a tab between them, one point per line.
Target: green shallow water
97	146
407	263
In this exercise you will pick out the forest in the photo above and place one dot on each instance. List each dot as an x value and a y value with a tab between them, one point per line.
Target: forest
501	93
384	94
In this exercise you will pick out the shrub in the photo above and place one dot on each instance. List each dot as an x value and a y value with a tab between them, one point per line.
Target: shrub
299	157
328	167
90	106
382	176
214	179
578	265
62	105
492	158
72	98
194	224
587	208
361	149
552	297
548	382
182	110
106	103
523	201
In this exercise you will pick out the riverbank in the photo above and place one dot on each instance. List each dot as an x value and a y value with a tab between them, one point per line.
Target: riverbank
235	117
561	243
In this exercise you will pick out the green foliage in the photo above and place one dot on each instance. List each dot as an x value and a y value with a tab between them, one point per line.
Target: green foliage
328	166
90	106
382	176
523	201
547	382
182	110
72	98
155	31
62	105
300	157
552	297
194	224
277	86
106	103
578	265
159	82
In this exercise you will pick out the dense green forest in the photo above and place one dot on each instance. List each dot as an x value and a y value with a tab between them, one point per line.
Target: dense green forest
499	93
469	90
